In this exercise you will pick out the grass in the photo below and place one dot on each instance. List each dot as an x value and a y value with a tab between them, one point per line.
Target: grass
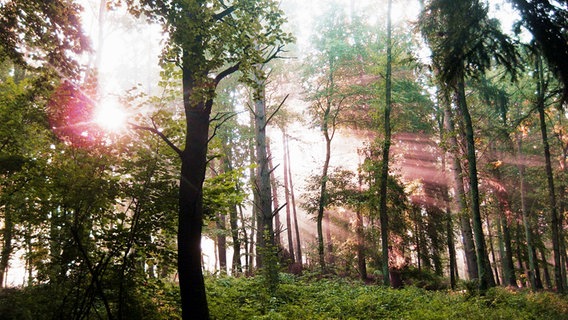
242	298
297	298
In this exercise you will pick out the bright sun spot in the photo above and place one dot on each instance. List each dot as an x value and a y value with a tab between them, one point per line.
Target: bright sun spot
110	116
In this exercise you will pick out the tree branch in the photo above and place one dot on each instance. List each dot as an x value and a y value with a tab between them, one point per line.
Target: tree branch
160	134
274	53
227	72
224	13
222	118
276	167
278	210
275	111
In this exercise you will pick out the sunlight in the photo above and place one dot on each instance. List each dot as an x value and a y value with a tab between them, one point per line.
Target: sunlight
110	115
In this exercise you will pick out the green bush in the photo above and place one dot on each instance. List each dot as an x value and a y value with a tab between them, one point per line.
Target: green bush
152	301
298	298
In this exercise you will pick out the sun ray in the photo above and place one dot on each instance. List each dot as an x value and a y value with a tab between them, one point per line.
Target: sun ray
110	115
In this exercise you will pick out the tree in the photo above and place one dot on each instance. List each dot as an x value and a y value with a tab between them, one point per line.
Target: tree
266	244
47	34
547	21
555	224
208	40
465	42
328	95
383	191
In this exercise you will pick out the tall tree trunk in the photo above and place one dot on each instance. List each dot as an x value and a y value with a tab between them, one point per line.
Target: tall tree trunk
222	243
236	264
554	221
329	243
418	237
434	219
501	242
449	224
522	263
274	188
248	249
562	205
526	218
293	198
287	196
545	272
538	278
485	275
6	252
383	183
236	267
504	233
451	248
460	200
360	232
267	248
323	198
492	251
193	165
509	275
255	226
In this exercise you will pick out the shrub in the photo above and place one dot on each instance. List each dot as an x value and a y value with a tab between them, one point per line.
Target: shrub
334	298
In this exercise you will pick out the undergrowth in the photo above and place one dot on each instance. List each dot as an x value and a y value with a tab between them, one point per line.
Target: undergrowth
246	298
305	297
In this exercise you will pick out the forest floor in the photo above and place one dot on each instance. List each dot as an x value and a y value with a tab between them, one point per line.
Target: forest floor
306	297
296	298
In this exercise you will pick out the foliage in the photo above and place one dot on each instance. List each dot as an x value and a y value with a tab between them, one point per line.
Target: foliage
39	33
232	298
297	298
152	300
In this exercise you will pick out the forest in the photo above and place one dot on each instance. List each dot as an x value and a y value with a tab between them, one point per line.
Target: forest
283	159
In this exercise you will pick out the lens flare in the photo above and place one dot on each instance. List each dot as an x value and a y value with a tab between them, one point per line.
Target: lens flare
110	116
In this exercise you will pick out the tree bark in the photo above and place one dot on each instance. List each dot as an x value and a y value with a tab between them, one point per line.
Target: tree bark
360	231
492	251
554	220
287	194
545	272
274	188
449	227
554	223
6	245
293	198
460	200
236	267
190	220
383	183
485	275
267	248
526	219
323	196
504	233
222	243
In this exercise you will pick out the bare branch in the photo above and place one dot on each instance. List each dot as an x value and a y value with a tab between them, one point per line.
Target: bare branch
211	158
275	111
223	118
276	167
278	210
251	109
160	134
274	53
